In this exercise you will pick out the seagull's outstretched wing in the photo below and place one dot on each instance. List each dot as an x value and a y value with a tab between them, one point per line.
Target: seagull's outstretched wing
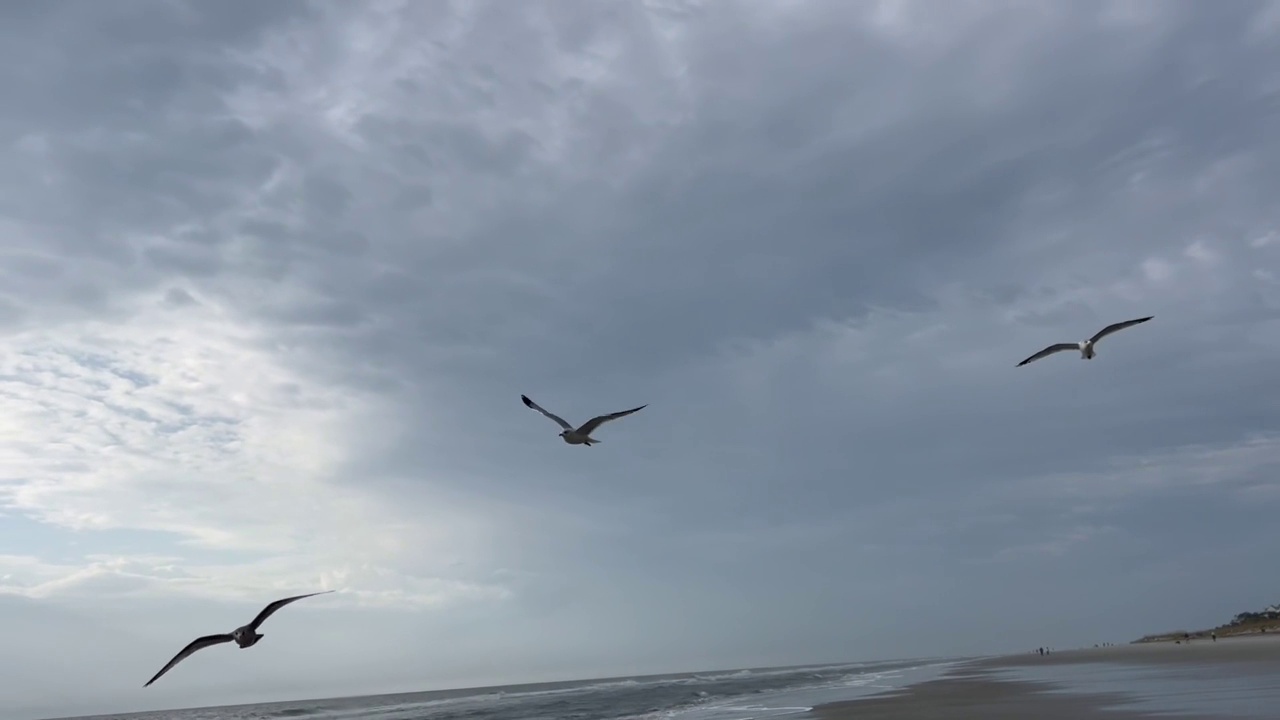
197	644
559	420
266	611
595	422
1049	351
1117	327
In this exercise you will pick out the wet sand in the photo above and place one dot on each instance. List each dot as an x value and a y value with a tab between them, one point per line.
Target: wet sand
981	689
976	696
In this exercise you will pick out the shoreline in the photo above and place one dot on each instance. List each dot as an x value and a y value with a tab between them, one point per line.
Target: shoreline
1028	685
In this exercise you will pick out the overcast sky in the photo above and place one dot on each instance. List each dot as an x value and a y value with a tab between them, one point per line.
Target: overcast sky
276	274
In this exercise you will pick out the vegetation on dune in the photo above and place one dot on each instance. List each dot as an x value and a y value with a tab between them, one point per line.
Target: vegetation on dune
1245	623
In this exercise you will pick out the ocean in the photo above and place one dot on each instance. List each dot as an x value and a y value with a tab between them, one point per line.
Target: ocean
727	695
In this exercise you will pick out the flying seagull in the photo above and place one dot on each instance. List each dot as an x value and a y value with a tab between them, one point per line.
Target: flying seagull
244	636
1085	347
581	436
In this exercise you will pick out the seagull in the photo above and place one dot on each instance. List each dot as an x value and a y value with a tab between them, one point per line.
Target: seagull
1085	347
244	636
581	436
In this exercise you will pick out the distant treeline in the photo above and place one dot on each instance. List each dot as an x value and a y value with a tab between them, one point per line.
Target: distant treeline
1246	618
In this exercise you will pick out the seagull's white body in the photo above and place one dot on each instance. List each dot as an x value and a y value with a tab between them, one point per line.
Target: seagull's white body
580	435
573	438
1086	347
243	636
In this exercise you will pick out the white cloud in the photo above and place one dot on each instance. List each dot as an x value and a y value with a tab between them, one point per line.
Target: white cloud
1233	467
1157	270
1264	240
184	421
99	578
1058	545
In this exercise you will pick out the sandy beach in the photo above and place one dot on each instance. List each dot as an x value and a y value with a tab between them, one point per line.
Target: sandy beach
1232	680
1253	649
974	696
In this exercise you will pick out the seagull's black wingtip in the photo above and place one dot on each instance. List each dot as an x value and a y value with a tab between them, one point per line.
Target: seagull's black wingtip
526	400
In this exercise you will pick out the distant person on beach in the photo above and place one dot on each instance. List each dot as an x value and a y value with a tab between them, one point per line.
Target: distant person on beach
1214	635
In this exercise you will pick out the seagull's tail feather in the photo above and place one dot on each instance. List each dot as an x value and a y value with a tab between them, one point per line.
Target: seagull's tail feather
592	441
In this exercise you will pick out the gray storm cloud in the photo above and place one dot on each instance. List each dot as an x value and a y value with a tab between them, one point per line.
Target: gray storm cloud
276	274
